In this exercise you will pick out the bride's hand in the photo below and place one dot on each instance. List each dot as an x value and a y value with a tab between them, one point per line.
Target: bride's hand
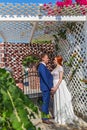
53	90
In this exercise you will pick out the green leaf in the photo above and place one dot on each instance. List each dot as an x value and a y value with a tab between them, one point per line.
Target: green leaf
13	115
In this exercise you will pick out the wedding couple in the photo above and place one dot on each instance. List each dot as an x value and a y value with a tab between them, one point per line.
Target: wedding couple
53	83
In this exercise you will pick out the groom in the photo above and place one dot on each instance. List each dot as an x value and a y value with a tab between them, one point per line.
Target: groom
46	83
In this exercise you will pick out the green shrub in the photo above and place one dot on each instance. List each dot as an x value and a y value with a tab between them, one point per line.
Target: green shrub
30	60
16	109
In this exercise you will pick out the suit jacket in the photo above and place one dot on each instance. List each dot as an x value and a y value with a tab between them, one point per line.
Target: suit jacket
46	78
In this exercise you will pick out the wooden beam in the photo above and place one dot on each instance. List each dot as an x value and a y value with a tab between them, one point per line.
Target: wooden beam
32	31
43	18
3	37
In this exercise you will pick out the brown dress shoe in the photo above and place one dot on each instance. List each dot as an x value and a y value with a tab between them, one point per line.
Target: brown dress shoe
47	122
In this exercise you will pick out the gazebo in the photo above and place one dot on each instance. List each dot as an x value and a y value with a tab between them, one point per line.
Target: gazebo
65	25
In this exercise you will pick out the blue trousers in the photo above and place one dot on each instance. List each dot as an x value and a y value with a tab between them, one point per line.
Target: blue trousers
46	100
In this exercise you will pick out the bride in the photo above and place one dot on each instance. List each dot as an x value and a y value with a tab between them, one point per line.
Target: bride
63	110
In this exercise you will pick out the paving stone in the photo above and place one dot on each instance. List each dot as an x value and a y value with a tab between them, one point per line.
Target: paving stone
81	125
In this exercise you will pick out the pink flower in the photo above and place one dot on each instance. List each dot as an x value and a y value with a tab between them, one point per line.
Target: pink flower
61	4
73	5
66	3
82	2
44	5
49	12
83	10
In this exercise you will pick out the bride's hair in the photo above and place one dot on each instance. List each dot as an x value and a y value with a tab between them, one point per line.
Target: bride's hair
59	60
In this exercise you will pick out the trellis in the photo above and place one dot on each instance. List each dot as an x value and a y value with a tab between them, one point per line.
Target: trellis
22	23
77	47
19	22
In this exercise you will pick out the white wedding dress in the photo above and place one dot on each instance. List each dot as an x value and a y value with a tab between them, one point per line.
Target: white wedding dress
63	110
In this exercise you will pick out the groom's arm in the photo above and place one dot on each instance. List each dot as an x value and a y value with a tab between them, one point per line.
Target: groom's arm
44	75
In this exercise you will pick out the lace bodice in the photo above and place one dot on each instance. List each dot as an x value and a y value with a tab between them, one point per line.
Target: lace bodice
56	72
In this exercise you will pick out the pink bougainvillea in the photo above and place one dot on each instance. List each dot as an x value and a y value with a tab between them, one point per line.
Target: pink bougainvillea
64	3
81	2
69	2
57	9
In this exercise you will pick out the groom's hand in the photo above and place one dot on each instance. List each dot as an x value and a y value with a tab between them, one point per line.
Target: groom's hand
52	96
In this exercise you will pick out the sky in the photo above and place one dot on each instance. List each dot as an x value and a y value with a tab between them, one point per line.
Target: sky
29	1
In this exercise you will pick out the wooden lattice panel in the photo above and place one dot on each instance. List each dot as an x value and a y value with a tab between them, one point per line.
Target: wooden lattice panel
64	11
17	20
16	31
77	47
18	9
40	10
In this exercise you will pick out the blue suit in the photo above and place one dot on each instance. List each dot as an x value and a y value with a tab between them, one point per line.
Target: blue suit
46	83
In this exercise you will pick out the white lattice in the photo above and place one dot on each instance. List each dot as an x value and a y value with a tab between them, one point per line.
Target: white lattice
76	46
18	9
39	9
19	22
16	31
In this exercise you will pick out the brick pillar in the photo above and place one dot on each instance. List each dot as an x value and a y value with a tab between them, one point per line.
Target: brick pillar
2	62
